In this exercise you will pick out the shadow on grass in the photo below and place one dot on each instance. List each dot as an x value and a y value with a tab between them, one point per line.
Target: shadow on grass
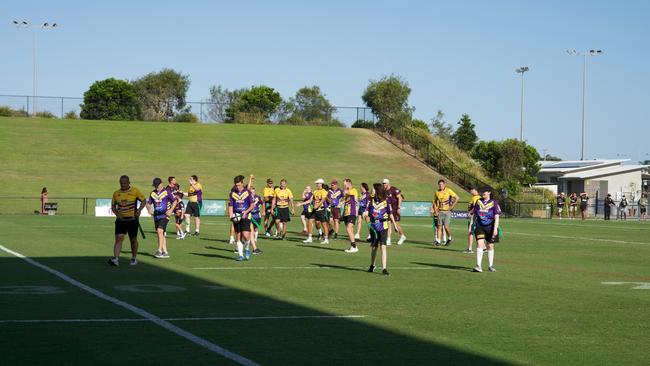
444	266
334	266
316	246
278	340
222	249
211	255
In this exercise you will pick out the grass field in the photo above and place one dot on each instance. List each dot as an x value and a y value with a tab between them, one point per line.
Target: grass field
85	158
297	304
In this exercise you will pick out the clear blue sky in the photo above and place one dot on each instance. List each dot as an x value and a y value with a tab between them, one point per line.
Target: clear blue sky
456	57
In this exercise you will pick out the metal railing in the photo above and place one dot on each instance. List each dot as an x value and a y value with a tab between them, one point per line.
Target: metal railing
205	111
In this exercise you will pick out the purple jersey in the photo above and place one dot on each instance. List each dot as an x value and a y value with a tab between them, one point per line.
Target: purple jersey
240	201
486	211
257	203
161	203
334	196
363	201
180	206
391	196
173	189
379	213
310	207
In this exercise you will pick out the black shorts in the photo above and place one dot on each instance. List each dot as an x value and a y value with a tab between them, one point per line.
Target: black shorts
361	210
485	232
124	227
643	209
309	215
244	225
161	223
350	219
267	209
336	213
583	207
193	209
378	238
283	214
179	218
320	216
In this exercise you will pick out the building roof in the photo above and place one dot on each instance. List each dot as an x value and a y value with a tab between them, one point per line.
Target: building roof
604	171
568	166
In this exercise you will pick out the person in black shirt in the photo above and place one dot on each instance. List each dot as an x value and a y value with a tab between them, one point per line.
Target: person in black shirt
622	208
560	204
573	205
584	202
609	203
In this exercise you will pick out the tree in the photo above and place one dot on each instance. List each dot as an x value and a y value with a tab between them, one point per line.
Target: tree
508	161
418	123
550	157
162	94
220	100
311	105
644	162
256	104
110	99
440	128
388	100
465	136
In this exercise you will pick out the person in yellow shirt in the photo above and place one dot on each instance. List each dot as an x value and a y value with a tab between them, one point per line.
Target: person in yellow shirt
350	208
443	202
283	201
124	206
470	210
269	218
318	201
194	204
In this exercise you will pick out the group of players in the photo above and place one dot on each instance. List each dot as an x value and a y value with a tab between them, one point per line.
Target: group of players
322	209
573	201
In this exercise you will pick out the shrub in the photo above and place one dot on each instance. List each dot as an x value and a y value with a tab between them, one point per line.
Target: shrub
360	123
6	111
45	114
111	99
186	117
71	115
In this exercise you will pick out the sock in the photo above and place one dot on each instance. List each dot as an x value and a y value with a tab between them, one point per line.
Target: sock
256	234
479	256
187	228
240	249
247	245
232	238
491	257
320	231
449	238
196	230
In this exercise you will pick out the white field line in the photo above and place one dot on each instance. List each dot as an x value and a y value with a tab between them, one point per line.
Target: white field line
128	320
307	267
138	311
558	236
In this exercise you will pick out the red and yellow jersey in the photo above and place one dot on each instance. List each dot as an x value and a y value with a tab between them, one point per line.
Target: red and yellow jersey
442	199
126	202
320	195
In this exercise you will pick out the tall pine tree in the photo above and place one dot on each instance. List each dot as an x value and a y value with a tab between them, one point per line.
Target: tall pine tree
465	136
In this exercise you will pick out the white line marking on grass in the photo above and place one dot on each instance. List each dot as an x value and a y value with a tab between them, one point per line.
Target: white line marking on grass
638	285
309	267
578	238
130	320
141	312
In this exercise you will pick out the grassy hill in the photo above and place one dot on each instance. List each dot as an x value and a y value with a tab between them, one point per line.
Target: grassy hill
85	158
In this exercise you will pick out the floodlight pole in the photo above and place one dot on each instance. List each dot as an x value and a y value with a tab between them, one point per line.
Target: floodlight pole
522	70
584	55
25	24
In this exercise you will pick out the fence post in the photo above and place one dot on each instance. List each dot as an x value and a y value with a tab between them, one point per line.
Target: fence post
61	107
201	112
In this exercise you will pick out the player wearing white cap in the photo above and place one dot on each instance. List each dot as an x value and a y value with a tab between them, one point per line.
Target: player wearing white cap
318	214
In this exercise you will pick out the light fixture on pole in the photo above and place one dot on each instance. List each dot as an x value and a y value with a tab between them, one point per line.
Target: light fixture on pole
35	28
584	55
522	70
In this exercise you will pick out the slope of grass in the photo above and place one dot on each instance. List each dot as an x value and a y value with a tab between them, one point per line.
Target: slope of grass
85	158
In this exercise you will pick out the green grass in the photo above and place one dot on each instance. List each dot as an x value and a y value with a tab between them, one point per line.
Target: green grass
76	158
545	305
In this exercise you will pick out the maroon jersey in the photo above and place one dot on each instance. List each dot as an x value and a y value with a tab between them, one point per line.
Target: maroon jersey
391	196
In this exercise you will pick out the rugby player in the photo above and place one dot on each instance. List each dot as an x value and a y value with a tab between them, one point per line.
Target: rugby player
179	211
363	205
319	198
379	216
443	203
124	206
350	210
283	201
195	198
560	204
241	202
584	203
334	196
470	211
160	204
485	224
269	218
573	205
395	198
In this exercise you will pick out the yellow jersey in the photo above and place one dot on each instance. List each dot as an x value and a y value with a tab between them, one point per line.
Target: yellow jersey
195	194
442	199
282	197
268	193
351	202
320	195
472	203
126	202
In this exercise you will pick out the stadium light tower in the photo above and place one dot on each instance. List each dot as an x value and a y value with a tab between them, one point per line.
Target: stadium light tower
522	70
35	28
584	55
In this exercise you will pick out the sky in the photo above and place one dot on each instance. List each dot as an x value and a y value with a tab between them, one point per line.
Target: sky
458	57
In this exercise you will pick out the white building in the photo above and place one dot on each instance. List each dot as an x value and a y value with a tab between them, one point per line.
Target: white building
595	177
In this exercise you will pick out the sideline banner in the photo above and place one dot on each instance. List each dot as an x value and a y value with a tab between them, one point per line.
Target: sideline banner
210	208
